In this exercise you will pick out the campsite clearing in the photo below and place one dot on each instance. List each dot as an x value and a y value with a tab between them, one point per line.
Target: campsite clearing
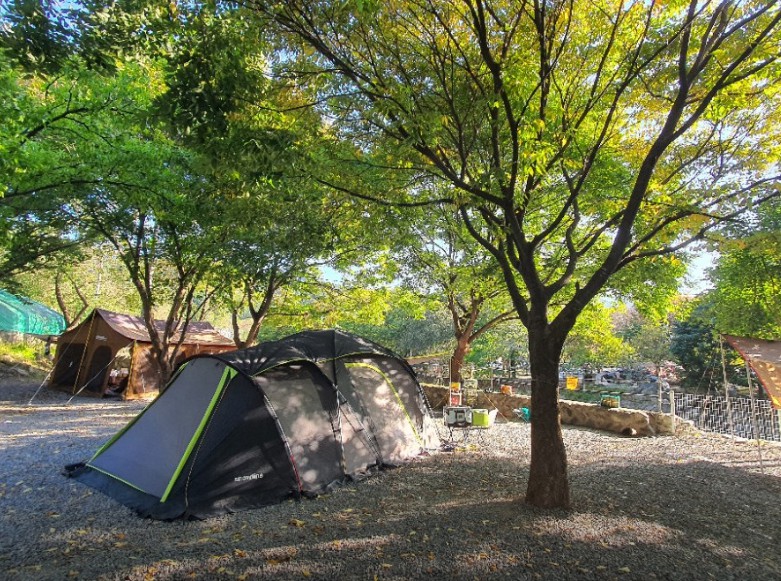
695	507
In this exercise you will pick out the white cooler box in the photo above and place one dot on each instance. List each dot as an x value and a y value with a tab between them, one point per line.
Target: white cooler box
457	416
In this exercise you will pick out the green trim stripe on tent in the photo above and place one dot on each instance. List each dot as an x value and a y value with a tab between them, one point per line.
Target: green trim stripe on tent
395	392
122	480
230	434
227	375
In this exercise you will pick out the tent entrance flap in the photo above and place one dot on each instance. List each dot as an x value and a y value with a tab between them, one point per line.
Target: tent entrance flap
151	450
227	375
389	383
305	405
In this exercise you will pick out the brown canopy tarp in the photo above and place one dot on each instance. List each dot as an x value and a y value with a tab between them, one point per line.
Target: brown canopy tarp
90	359
764	357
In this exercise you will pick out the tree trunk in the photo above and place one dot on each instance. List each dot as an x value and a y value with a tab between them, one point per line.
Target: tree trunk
548	481
160	342
70	322
459	354
252	334
258	314
165	368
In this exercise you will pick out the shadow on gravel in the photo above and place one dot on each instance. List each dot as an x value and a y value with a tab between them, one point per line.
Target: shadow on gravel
449	516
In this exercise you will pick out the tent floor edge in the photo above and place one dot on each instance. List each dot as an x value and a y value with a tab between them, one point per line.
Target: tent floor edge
145	505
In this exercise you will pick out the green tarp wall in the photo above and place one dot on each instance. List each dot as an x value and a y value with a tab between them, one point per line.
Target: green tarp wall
22	315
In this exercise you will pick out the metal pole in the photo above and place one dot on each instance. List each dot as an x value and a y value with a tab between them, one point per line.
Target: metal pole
726	387
754	415
84	353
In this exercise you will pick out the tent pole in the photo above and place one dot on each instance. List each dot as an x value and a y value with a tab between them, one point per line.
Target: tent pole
754	415
86	383
496	406
131	376
84	354
726	387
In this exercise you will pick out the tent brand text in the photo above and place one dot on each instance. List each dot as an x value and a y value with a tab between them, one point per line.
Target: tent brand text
255	476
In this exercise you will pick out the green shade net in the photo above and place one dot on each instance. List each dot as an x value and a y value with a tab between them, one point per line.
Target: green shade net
22	315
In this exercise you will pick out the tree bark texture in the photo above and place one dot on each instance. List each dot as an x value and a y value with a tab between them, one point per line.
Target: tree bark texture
459	354
548	485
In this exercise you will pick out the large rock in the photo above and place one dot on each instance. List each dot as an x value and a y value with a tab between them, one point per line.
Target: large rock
618	420
648	389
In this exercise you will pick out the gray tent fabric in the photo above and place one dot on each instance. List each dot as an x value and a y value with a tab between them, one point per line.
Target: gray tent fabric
248	428
152	471
306	411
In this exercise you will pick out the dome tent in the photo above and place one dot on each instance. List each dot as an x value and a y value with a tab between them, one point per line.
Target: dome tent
249	428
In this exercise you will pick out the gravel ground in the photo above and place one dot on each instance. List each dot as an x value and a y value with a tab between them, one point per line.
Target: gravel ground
689	507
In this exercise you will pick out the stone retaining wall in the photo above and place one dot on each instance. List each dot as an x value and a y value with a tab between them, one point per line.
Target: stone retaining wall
619	420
